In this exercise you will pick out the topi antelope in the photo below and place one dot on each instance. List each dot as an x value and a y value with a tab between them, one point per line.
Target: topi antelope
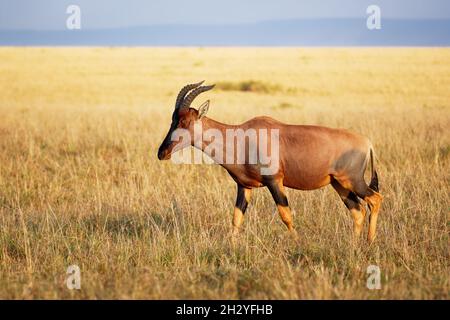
309	158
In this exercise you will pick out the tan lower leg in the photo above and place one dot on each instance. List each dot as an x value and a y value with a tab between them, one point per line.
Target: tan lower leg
374	202
238	219
358	220
372	227
286	217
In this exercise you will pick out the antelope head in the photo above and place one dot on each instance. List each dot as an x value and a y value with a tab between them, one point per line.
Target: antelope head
183	117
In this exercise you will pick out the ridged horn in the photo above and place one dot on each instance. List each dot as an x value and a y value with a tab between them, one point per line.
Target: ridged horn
184	91
194	93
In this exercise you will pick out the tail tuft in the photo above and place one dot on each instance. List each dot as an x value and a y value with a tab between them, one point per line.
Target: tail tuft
374	180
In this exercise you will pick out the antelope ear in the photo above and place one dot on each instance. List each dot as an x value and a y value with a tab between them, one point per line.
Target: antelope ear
203	109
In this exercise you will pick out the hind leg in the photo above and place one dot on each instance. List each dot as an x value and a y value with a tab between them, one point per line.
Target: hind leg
353	204
373	199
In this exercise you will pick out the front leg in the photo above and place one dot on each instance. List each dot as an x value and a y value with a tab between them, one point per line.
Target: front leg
276	188
242	199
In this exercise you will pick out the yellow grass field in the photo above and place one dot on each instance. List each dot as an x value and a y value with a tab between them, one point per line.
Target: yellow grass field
80	182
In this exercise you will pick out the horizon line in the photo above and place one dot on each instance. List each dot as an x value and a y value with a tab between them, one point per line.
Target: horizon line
180	24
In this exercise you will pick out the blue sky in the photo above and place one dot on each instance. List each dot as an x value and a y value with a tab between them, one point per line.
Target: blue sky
51	14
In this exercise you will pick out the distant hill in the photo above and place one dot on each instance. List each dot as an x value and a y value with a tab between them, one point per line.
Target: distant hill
313	32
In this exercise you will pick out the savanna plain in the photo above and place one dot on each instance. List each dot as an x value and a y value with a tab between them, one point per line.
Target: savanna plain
80	182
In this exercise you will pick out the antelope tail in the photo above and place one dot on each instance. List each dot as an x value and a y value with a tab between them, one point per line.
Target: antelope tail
374	179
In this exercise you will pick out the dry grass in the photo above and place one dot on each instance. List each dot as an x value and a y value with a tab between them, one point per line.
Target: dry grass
80	182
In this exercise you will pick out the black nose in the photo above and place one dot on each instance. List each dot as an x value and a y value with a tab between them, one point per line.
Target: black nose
161	153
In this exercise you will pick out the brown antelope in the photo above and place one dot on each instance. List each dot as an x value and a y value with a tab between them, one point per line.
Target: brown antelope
310	157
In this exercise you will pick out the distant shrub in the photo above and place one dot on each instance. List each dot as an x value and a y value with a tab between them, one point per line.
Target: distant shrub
444	151
285	105
248	86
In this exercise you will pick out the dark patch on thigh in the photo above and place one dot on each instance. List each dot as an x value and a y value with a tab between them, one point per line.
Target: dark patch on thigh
352	162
